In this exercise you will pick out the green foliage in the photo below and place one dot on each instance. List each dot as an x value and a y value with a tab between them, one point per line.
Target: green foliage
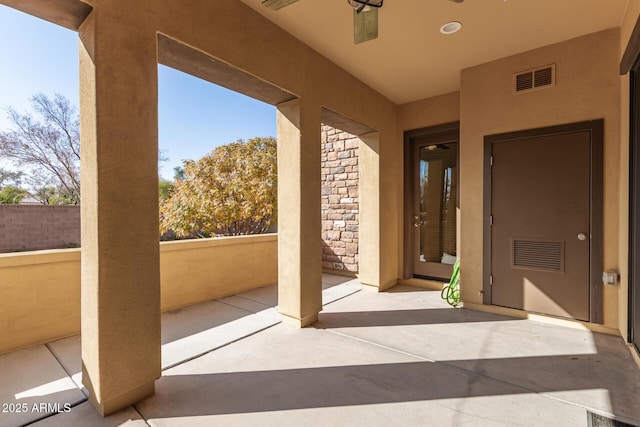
165	187
231	191
12	195
55	196
178	172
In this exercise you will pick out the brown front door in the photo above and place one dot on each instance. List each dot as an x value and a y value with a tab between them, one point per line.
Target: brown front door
540	232
434	189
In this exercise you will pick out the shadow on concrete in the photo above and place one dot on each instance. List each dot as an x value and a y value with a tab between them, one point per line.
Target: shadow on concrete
333	264
427	316
289	389
330	280
605	379
184	322
600	375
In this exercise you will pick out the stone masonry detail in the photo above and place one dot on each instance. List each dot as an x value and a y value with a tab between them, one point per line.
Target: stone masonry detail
340	208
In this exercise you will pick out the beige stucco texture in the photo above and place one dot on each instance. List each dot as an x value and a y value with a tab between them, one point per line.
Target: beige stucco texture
41	289
300	272
628	23
40	297
189	276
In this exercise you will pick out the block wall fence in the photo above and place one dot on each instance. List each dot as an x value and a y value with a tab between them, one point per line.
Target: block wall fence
34	227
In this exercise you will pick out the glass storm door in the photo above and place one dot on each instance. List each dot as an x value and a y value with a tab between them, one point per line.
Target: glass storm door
435	182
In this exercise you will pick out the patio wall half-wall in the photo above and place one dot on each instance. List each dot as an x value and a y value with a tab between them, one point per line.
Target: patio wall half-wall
40	290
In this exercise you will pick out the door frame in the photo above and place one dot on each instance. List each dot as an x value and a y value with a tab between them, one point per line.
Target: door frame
596	129
432	134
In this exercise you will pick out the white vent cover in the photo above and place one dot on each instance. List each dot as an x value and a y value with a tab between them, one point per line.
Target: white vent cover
538	78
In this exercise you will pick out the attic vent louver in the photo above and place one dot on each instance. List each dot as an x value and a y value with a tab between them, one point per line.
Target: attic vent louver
524	81
538	78
535	254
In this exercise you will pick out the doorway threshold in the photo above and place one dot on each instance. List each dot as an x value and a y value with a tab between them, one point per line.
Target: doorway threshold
431	284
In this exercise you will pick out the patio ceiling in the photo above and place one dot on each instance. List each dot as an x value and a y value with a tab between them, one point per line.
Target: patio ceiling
412	60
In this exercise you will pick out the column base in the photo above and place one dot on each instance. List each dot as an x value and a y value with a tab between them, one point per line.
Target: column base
122	401
299	323
381	288
370	288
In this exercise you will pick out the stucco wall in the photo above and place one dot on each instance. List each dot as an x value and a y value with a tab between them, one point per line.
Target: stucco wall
628	23
30	228
40	291
587	87
428	112
422	114
39	297
192	271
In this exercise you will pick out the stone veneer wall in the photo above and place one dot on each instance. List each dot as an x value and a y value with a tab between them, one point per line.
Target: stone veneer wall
340	209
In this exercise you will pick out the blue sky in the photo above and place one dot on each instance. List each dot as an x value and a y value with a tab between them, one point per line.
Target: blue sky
194	116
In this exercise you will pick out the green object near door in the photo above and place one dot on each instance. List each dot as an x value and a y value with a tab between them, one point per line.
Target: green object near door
451	292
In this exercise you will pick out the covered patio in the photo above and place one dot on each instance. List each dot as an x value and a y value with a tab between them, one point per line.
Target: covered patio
548	252
403	357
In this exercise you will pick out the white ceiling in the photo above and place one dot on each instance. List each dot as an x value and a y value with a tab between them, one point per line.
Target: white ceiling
412	60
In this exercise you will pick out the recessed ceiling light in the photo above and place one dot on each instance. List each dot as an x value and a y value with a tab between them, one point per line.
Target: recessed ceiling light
451	27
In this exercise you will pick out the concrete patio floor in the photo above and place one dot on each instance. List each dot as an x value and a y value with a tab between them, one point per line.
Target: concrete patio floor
401	357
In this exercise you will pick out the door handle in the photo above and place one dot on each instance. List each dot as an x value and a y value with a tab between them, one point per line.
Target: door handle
582	236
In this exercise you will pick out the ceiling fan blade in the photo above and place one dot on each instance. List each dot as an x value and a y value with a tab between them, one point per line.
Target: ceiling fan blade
457	1
277	4
365	25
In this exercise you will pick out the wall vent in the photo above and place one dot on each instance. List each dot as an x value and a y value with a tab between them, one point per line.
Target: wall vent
538	78
534	254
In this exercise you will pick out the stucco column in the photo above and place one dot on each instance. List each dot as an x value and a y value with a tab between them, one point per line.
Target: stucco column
379	196
299	224
369	228
120	249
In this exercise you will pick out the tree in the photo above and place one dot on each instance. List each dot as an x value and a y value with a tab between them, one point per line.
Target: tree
47	141
12	195
178	172
10	191
10	178
231	191
165	187
53	196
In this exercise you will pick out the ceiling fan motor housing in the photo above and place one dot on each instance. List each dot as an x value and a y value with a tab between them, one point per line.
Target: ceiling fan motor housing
360	5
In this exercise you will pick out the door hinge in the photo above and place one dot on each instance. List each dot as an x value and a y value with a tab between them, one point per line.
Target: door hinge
491	280
490	219
491	161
